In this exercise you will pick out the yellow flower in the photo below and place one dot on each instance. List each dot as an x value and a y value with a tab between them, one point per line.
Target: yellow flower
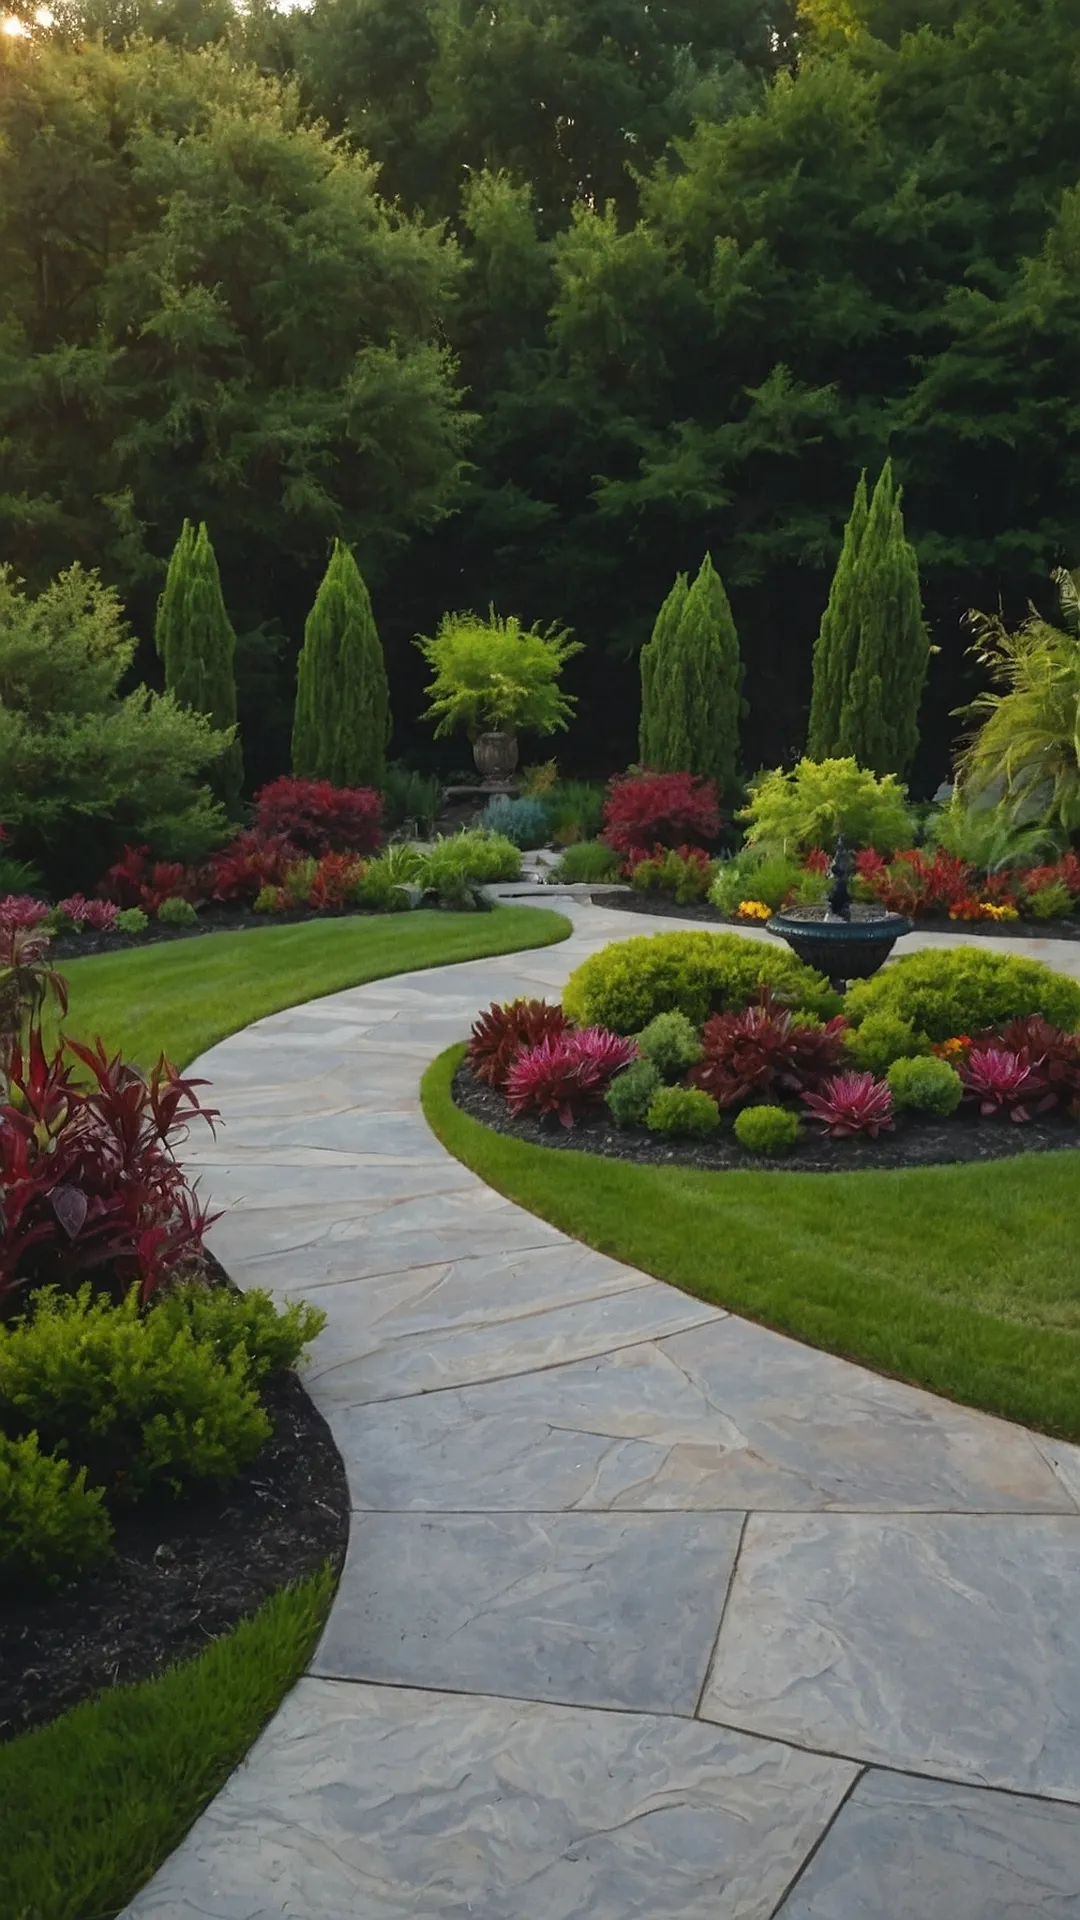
754	910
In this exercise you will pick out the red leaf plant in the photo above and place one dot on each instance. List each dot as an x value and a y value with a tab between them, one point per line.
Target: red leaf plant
643	811
684	872
912	884
334	879
502	1033
852	1103
100	915
318	817
23	911
249	863
817	860
89	1182
1003	1080
567	1074
762	1050
1053	1053
26	981
136	881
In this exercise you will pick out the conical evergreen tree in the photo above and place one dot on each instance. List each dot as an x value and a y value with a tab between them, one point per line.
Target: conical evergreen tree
835	647
690	682
341	723
879	720
194	636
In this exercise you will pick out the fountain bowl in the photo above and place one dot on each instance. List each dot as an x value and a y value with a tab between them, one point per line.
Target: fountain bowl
843	947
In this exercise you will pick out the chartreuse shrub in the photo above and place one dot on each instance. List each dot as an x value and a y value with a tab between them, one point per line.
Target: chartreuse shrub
672	1043
776	879
883	1038
767	1130
52	1525
587	862
926	1085
471	855
631	1093
131	920
682	1111
792	812
627	984
177	913
271	1338
944	993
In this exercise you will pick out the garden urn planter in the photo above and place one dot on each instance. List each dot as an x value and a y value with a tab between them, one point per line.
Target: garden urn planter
496	756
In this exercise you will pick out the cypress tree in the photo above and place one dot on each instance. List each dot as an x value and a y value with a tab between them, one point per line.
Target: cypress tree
836	644
691	679
341	723
195	638
879	720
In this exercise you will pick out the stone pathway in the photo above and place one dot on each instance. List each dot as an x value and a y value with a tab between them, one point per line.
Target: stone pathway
647	1611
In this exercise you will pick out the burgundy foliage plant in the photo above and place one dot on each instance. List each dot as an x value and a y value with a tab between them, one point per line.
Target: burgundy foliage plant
318	817
1003	1080
502	1033
567	1074
644	811
762	1051
852	1103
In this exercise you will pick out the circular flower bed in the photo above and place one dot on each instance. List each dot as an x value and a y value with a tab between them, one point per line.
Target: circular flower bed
718	1051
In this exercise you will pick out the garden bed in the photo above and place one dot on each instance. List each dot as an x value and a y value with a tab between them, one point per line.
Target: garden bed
183	1573
917	1141
626	900
212	919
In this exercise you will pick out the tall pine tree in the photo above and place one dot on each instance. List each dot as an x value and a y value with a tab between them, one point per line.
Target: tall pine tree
195	639
834	650
341	724
691	676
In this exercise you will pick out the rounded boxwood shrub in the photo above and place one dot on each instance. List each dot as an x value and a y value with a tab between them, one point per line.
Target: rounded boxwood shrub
926	1085
131	920
672	1043
883	1038
177	913
682	1110
51	1524
631	1094
948	991
629	983
771	1130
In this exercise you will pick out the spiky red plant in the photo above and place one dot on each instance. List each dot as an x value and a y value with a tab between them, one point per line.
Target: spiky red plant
249	863
567	1074
851	1103
21	910
500	1034
763	1050
136	881
1003	1080
334	879
1053	1053
98	914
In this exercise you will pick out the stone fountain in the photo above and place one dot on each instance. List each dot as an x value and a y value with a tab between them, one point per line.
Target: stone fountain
842	938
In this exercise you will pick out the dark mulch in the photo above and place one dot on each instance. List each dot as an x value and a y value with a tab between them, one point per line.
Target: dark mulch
915	1143
182	1574
656	903
212	919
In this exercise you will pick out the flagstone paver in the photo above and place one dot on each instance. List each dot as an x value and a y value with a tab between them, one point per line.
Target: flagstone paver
647	1611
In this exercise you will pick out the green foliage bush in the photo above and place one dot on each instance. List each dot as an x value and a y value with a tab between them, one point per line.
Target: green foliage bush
576	810
135	1398
628	983
672	1043
682	1110
131	920
270	1338
177	913
341	721
270	900
881	1039
768	1130
792	812
586	863
774	878
497	674
524	821
631	1093
926	1085
51	1524
410	796
682	877
1052	902
944	992
378	889
470	855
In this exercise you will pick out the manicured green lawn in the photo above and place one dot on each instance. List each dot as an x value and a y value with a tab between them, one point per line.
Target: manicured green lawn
90	1805
962	1279
184	996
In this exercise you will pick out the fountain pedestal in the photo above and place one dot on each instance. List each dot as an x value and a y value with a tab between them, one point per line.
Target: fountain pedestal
841	938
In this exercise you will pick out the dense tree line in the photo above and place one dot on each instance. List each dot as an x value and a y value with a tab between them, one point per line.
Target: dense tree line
533	302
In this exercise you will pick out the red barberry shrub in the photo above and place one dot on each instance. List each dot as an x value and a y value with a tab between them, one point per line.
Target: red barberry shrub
23	911
249	863
646	810
763	1051
500	1034
852	1103
567	1074
1003	1080
319	817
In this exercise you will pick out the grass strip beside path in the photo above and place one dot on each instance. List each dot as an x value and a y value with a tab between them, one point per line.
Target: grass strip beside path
964	1280
90	1805
181	997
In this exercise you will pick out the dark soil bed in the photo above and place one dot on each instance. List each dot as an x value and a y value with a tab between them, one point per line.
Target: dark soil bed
656	903
915	1143
221	919
182	1574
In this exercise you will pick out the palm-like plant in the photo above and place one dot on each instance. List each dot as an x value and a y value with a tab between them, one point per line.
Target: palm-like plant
1028	735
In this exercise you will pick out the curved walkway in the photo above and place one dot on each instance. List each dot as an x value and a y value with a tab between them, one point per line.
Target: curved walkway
647	1611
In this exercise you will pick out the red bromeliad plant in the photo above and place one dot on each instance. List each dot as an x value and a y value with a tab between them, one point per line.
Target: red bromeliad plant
1005	1081
567	1074
1053	1053
852	1103
100	915
21	911
502	1033
643	811
319	817
240	871
763	1050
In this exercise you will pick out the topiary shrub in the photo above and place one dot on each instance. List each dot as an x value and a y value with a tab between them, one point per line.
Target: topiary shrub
672	1043
682	1110
768	1130
589	862
524	821
52	1525
944	992
925	1085
631	1094
177	913
883	1038
628	983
